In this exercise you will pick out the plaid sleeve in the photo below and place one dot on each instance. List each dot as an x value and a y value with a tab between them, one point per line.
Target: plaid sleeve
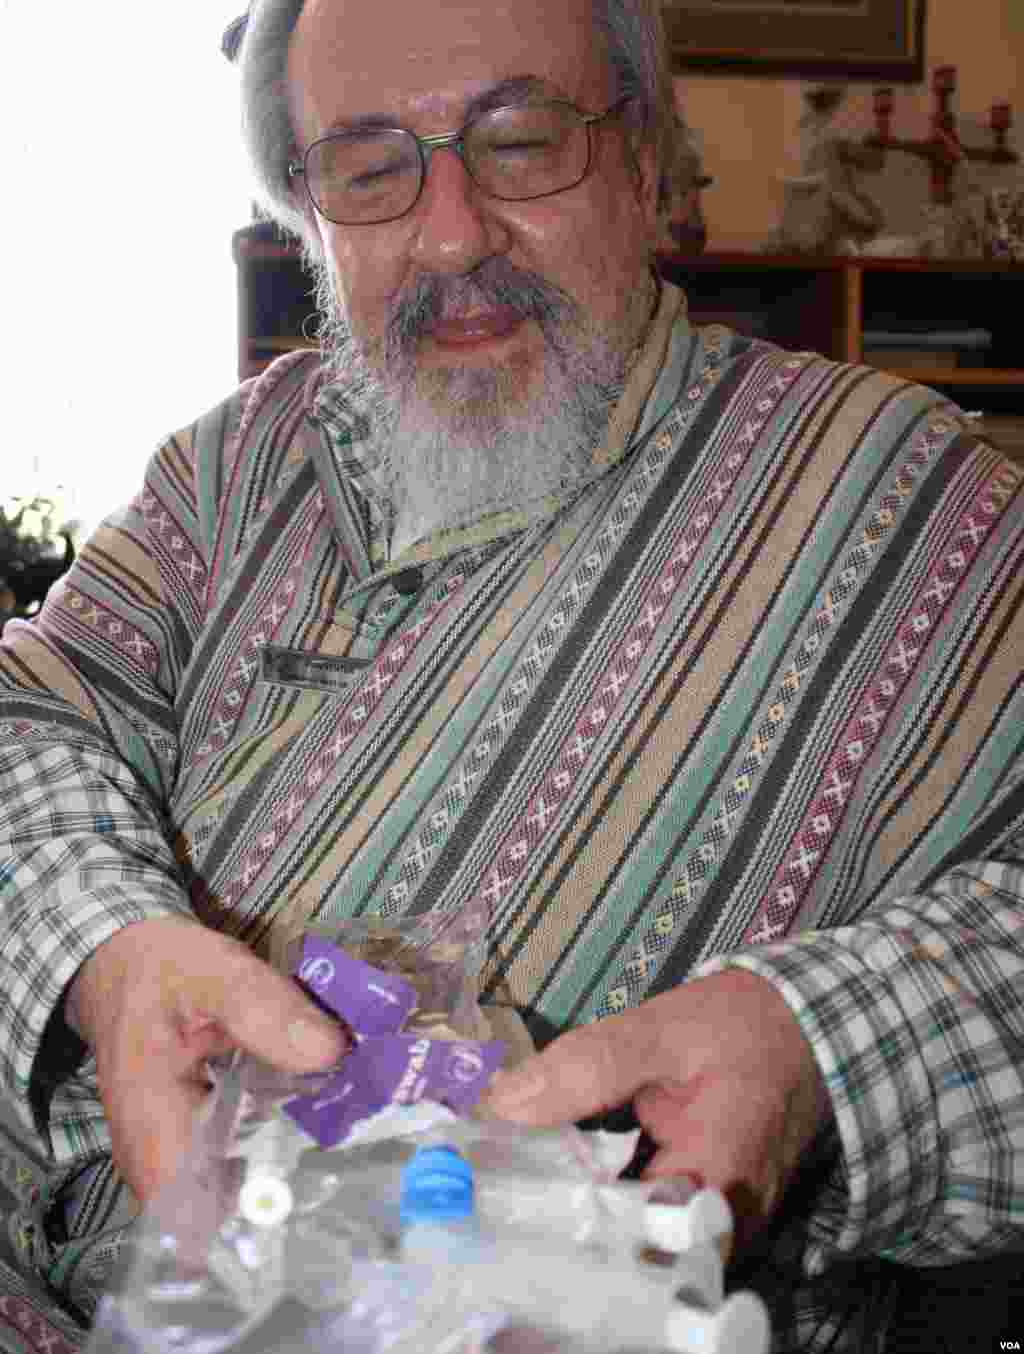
83	856
88	751
916	1015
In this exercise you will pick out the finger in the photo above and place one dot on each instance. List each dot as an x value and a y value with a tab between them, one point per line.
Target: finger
583	1072
158	999
152	1123
734	1146
153	1080
709	1126
263	1012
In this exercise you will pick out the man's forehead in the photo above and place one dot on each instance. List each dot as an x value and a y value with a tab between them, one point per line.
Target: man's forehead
356	59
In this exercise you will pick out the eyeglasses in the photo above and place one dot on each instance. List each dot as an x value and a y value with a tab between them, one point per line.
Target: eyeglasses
522	151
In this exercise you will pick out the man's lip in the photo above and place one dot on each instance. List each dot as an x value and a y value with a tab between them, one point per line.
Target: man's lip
489	324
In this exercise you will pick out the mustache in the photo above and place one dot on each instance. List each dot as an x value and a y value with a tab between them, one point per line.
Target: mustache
496	282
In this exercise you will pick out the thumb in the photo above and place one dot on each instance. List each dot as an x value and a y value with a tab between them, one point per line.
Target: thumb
583	1072
267	1014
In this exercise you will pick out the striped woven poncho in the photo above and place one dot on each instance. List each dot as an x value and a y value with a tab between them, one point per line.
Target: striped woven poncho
751	695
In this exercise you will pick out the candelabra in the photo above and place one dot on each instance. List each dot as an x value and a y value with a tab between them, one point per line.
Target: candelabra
943	149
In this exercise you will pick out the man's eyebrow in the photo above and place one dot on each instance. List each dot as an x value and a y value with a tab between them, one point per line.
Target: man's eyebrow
514	89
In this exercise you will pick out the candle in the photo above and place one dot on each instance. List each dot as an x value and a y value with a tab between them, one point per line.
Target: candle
883	112
1001	117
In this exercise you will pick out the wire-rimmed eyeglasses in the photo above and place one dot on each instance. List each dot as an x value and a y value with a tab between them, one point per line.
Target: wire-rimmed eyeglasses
368	175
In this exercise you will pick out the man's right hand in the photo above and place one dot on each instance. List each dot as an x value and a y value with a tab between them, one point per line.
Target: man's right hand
158	999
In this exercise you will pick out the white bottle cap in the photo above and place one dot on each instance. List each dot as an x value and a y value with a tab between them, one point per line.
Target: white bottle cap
265	1200
739	1326
678	1227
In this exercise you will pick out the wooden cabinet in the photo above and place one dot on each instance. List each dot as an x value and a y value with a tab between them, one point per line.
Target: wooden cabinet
827	304
276	306
799	301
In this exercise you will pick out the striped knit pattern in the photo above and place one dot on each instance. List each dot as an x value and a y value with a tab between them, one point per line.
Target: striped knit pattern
752	696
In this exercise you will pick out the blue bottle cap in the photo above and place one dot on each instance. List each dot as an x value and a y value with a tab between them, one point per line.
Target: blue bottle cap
437	1186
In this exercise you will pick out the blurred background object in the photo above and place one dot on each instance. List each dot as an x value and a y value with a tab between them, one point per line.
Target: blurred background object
33	553
679	194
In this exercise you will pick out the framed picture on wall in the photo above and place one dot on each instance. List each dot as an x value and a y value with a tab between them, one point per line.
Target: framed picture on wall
810	39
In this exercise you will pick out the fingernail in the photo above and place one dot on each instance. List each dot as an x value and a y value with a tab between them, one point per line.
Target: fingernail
510	1089
317	1042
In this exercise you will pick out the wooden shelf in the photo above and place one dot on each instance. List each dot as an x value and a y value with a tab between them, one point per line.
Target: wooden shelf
735	260
961	376
825	304
283	343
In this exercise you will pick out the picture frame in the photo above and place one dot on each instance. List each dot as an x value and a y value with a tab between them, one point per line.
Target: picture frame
876	40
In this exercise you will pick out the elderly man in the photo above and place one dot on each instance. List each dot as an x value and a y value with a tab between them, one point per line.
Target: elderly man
695	661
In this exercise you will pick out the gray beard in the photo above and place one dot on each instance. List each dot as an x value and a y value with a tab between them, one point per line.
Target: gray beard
456	443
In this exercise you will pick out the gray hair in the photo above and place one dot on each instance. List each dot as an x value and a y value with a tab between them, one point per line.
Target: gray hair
636	42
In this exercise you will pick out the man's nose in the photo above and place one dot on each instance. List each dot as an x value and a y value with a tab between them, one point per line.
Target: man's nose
456	224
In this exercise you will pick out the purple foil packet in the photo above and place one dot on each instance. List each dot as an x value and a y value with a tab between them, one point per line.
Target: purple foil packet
384	1067
369	1000
397	1069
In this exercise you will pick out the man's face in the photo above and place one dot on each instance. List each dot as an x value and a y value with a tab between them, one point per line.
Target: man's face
469	297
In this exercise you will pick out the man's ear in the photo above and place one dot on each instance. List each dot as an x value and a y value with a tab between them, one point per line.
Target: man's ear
644	160
646	174
311	224
649	188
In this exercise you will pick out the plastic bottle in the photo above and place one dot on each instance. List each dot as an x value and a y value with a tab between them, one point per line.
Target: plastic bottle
438	1207
606	1304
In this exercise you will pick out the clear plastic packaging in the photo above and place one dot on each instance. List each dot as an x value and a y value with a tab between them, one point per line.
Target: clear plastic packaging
488	1263
269	1242
609	1219
438	953
347	1266
462	1282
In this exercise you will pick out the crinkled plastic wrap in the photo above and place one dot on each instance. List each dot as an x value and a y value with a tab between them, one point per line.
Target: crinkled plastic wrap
439	953
278	1237
316	1264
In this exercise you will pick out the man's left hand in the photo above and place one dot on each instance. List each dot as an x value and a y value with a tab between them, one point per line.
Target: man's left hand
720	1076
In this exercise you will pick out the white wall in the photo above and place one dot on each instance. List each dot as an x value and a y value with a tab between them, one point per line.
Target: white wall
123	180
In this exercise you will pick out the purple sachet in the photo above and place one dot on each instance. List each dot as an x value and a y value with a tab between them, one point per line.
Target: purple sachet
397	1069
367	999
384	1067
